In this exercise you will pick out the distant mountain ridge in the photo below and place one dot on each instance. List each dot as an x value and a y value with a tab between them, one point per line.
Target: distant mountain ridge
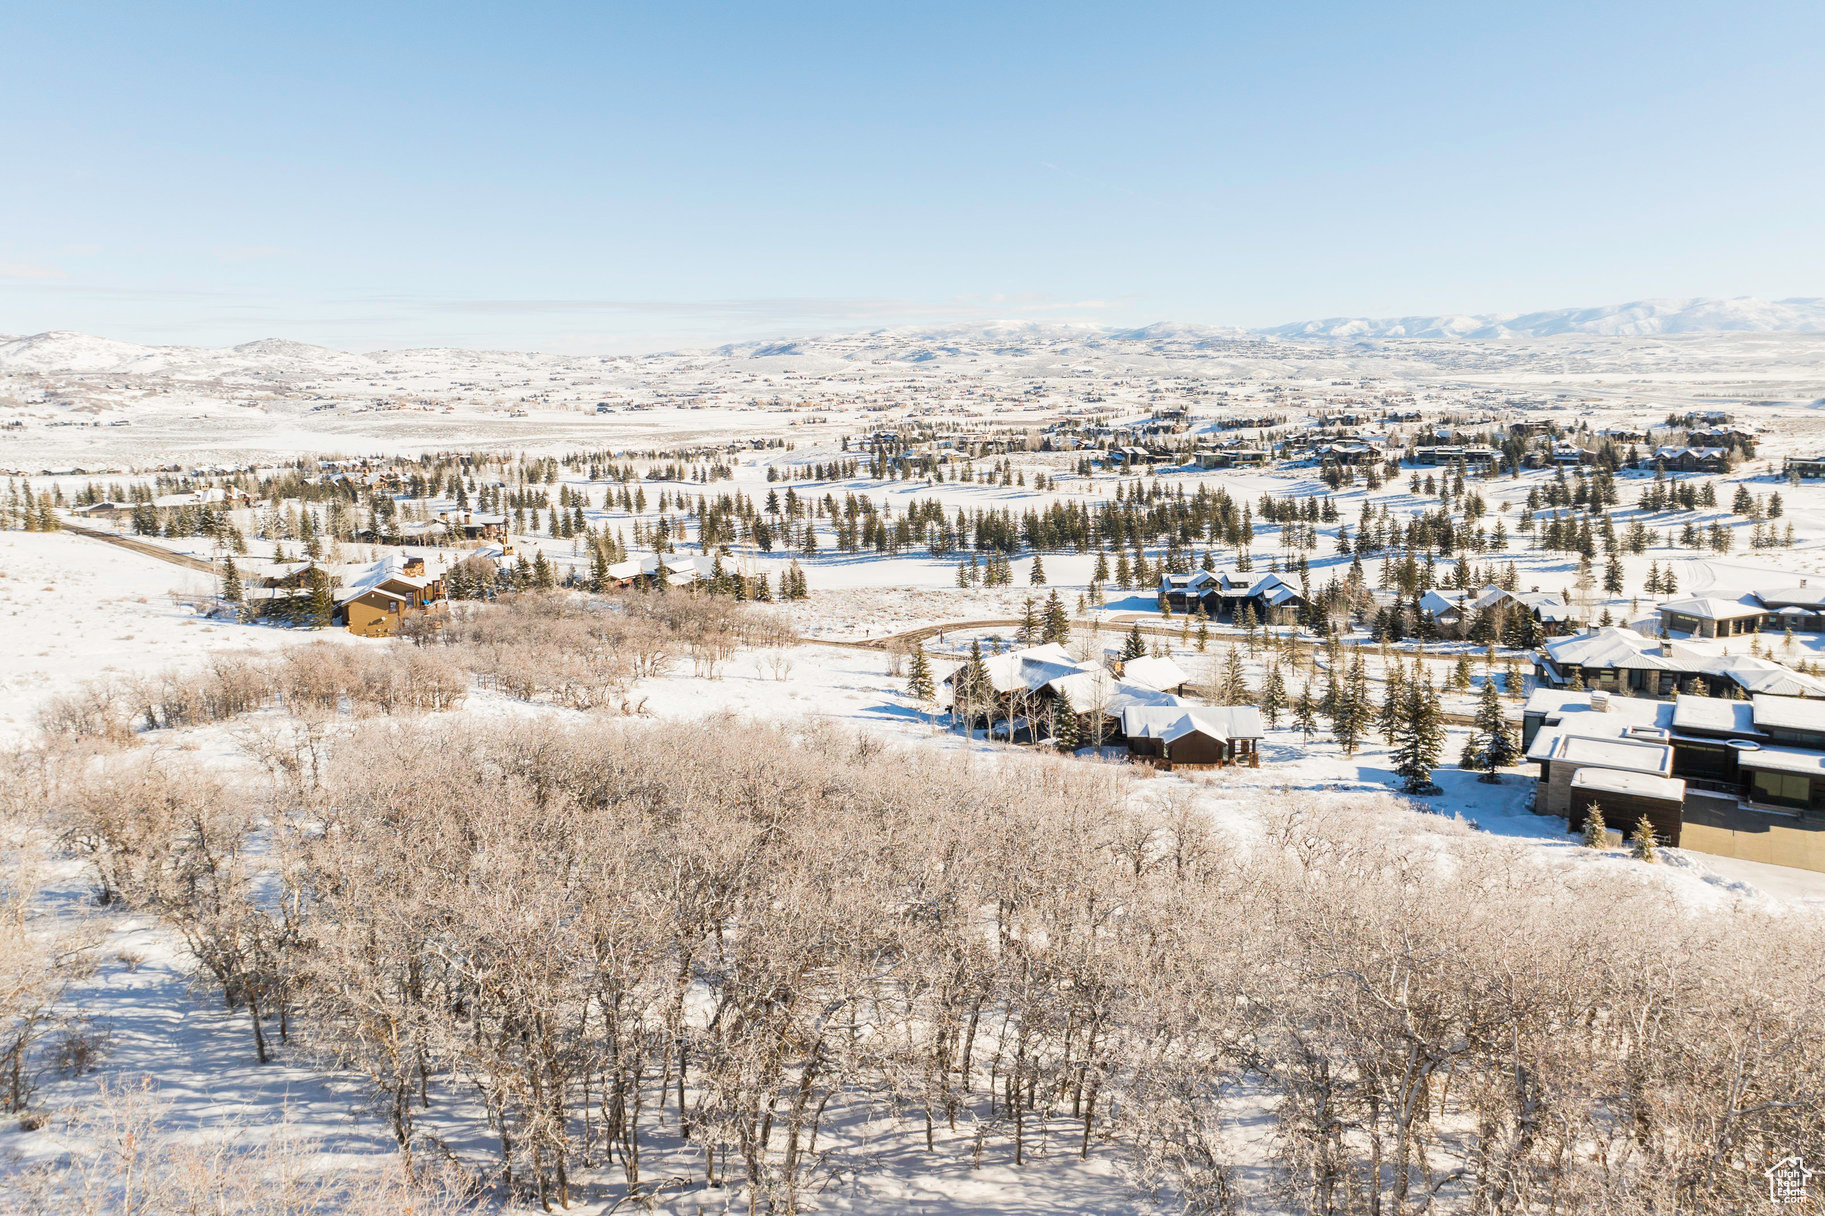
1642	318
61	351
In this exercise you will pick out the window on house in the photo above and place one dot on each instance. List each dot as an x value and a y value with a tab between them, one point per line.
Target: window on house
1782	789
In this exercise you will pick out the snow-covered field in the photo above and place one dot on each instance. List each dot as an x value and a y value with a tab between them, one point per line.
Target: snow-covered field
77	610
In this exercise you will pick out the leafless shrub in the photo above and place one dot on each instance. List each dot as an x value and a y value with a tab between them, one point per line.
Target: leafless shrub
95	711
40	959
611	932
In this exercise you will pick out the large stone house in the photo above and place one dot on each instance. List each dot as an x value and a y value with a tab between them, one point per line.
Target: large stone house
1624	662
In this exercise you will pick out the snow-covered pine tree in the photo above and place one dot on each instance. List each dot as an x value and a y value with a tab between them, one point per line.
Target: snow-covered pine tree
322	602
1643	844
1064	723
231	583
1028	629
1388	718
1273	695
1232	688
1419	736
1305	714
1495	736
1595	833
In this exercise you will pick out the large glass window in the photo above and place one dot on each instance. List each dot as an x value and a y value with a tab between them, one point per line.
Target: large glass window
1782	789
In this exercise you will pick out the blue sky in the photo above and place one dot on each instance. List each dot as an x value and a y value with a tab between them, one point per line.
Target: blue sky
610	177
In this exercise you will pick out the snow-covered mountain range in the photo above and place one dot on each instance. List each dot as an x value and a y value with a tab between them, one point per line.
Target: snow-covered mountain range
65	352
1639	319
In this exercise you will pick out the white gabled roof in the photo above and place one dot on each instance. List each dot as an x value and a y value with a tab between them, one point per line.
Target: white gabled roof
1032	668
1606	647
1095	690
1710	608
1760	677
1175	722
1804	594
693	564
389	569
634	567
1158	674
1438	604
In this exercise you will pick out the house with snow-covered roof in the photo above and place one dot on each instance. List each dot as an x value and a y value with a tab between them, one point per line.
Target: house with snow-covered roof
1799	607
383	597
1032	683
1752	773
1195	736
1275	599
1624	662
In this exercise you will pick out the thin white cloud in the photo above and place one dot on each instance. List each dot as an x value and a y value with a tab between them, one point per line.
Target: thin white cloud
20	270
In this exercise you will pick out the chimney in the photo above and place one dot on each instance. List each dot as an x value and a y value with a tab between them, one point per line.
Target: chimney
1600	701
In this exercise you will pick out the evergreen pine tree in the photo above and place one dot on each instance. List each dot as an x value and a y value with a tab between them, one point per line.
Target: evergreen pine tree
231	583
1134	646
1596	835
1643	844
1419	736
1305	713
919	677
1273	695
1496	739
1057	627
1028	629
1038	577
971	689
1232	689
1348	709
1387	720
322	602
1064	723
